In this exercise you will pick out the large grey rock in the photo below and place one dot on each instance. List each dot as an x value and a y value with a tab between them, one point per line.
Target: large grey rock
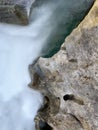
69	80
15	11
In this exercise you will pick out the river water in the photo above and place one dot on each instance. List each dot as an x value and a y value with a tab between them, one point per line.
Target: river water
50	22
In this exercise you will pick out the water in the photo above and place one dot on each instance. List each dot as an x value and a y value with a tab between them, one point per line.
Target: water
19	47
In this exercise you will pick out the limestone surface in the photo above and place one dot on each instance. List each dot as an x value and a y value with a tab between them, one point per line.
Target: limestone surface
69	80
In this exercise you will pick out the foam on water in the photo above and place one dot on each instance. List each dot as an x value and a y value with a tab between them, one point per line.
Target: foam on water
19	47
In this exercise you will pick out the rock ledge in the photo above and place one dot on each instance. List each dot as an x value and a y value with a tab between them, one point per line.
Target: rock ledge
69	80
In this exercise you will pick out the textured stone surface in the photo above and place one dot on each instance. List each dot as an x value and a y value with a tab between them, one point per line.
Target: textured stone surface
15	11
69	80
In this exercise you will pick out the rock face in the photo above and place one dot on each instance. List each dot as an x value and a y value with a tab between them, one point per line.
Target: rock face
69	80
15	11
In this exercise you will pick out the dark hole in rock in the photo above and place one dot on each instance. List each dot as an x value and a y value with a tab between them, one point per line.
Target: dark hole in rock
58	98
44	126
76	99
68	97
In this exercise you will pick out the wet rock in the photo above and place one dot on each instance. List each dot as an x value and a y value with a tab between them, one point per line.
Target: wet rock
69	80
15	11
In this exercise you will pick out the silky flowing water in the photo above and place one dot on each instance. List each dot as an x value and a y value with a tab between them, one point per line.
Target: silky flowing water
50	22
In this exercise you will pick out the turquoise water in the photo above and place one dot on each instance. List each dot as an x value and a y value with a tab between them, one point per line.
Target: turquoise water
66	16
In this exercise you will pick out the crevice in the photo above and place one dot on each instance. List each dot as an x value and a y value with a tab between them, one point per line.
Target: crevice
72	60
44	126
76	119
46	103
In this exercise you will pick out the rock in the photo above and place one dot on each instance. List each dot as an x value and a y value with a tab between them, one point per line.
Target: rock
69	80
15	11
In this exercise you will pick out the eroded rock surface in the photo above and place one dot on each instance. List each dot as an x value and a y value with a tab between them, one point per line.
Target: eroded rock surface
15	11
69	80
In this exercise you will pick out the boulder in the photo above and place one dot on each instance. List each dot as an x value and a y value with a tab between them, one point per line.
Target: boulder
15	11
69	80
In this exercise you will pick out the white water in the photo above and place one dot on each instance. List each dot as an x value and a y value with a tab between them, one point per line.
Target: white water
19	46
